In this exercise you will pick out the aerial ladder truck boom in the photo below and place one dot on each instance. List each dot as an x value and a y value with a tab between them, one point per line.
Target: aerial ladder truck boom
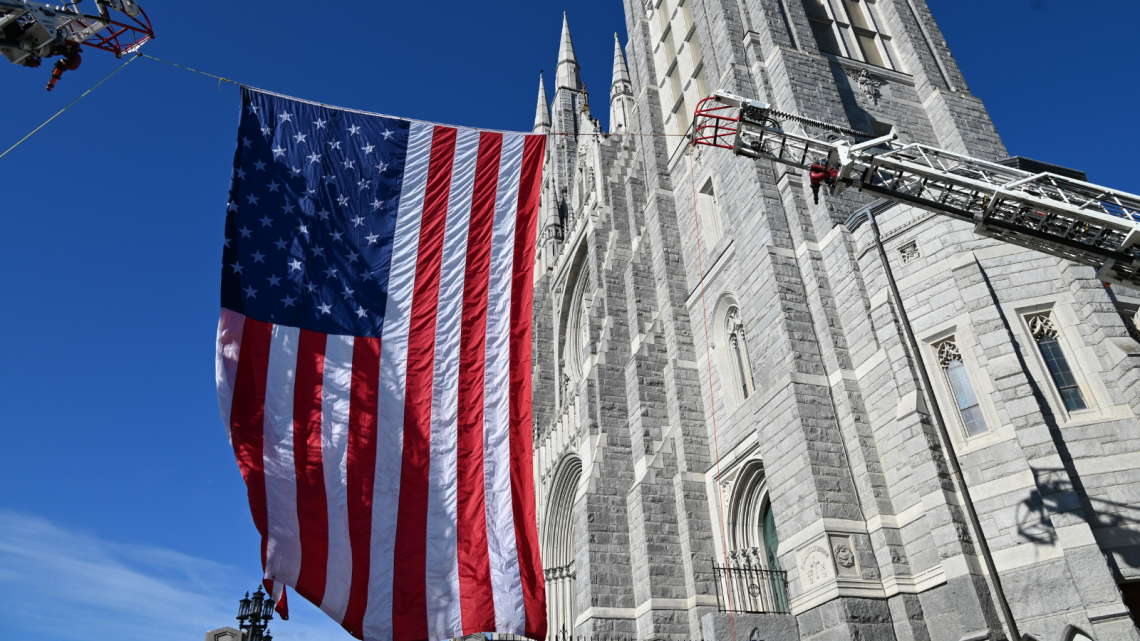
1047	212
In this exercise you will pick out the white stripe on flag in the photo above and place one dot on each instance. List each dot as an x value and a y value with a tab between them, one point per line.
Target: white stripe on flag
506	580
336	391
231	325
283	551
445	619
393	375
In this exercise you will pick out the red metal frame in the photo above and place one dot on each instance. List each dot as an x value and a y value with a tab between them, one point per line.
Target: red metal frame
711	125
117	34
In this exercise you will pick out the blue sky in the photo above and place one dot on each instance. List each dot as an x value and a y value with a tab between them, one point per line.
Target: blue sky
122	510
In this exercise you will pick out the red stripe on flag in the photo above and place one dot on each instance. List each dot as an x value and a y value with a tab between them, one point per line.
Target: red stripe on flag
477	600
522	468
312	505
247	420
409	594
361	474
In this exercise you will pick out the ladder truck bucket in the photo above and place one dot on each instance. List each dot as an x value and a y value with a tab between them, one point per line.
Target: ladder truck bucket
32	31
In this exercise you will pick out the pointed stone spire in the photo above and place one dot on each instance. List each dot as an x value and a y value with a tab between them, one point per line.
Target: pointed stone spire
621	71
568	70
542	114
621	92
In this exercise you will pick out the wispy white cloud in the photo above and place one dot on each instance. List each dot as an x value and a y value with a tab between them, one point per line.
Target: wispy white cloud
60	585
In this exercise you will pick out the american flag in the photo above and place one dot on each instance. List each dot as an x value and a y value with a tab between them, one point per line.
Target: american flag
374	366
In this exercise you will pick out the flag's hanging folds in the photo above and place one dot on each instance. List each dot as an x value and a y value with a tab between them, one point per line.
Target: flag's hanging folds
374	366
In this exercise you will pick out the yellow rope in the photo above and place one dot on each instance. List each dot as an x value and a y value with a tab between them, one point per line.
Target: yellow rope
175	64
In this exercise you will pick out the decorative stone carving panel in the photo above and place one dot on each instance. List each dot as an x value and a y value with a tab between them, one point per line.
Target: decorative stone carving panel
843	550
815	564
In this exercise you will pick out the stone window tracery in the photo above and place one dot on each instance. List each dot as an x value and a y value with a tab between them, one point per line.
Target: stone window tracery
560	571
950	358
751	522
738	349
1047	336
734	378
575	339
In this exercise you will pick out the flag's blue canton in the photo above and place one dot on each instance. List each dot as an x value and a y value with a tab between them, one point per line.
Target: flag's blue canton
311	215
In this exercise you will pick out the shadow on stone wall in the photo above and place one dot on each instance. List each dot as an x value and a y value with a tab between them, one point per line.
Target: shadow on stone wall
1053	496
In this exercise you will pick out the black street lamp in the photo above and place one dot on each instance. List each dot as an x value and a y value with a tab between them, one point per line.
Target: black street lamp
254	616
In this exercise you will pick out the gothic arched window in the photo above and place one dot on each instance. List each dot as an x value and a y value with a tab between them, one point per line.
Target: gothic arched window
754	542
1048	338
731	357
969	408
752	525
573	329
738	354
558	548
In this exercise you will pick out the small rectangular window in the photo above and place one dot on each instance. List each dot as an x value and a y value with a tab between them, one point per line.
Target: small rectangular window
852	26
869	47
1048	342
964	396
856	15
822	27
670	47
682	115
709	213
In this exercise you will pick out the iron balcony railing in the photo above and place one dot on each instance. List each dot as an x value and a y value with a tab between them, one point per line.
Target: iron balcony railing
751	590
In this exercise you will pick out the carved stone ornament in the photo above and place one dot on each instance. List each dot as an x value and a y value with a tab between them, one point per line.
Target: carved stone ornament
844	556
870	84
815	566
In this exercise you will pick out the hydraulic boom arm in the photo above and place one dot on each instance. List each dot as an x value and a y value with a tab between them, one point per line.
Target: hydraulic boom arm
1054	214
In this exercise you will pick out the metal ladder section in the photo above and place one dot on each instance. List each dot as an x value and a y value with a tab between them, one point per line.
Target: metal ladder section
1053	214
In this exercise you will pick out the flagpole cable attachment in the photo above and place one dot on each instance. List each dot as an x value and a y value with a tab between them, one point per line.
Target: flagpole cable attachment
175	64
93	88
712	403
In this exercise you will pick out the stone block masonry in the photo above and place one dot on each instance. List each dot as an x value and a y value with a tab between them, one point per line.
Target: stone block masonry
719	357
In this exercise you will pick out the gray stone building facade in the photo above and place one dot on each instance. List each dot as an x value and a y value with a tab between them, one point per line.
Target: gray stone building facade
723	378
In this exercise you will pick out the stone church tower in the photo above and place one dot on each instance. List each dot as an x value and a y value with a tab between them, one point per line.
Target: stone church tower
724	380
